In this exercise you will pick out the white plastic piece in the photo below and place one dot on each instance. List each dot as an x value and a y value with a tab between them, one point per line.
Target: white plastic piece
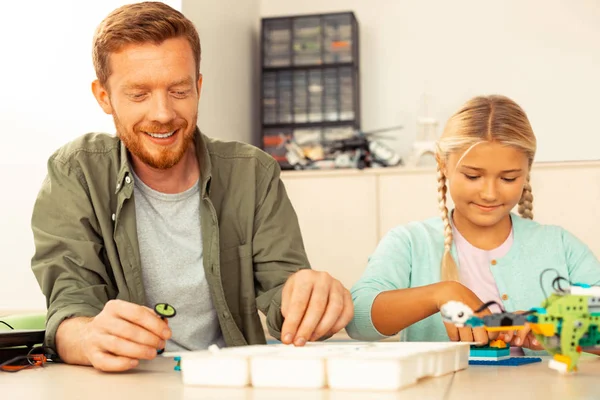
350	365
489	358
558	366
289	368
456	313
219	367
593	291
372	372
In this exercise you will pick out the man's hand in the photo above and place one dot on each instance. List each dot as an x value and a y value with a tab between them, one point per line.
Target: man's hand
313	305
116	339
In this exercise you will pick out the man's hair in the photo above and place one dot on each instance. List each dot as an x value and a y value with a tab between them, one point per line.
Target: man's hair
147	22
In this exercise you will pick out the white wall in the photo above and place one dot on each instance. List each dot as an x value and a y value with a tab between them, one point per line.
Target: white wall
45	101
545	54
229	31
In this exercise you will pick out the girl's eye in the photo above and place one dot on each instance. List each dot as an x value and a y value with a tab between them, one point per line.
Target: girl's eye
471	177
509	179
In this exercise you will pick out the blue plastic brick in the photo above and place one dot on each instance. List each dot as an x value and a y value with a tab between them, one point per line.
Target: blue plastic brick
583	285
489	352
511	362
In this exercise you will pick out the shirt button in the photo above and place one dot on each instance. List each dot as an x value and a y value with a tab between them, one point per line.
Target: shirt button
225	314
114	217
127	179
504	297
494	262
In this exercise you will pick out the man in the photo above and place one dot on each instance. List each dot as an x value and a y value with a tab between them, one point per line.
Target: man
161	213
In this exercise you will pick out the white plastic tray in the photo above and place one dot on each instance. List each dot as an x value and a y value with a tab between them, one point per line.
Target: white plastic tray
352	365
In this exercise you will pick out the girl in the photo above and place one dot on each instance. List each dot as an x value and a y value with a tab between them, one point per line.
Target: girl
478	252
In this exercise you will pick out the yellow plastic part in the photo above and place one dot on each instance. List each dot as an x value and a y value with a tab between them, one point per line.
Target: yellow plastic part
498	344
563	359
503	328
543	329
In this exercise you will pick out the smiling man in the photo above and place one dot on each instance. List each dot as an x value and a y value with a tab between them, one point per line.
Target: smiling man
160	213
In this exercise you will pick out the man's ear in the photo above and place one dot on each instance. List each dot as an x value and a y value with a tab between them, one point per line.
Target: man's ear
102	97
199	84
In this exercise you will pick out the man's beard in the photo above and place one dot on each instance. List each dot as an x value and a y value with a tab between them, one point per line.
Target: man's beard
165	158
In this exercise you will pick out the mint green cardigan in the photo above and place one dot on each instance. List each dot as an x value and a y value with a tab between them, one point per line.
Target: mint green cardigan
411	255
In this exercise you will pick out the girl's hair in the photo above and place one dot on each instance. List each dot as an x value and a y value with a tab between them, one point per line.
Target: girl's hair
482	119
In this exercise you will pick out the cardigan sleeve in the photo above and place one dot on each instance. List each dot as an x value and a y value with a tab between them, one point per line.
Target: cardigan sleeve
388	268
582	264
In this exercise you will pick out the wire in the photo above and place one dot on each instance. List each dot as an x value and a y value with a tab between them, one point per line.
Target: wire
32	359
486	305
5	323
555	283
542	282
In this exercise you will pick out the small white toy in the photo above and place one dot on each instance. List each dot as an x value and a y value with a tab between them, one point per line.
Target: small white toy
456	313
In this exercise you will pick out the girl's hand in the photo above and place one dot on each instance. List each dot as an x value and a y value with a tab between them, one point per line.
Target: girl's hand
458	292
521	338
468	334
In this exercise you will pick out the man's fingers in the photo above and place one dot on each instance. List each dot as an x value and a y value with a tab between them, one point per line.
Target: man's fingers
134	333
317	305
125	348
286	295
296	307
335	307
346	315
111	363
140	316
452	332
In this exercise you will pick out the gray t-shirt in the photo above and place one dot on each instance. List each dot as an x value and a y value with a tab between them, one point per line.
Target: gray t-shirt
170	240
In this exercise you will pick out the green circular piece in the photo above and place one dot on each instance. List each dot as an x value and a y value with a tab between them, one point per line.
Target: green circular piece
165	310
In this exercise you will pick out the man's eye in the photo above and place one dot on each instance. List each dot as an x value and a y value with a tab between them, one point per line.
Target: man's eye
181	93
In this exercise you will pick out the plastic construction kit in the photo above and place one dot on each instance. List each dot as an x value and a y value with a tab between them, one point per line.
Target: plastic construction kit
566	324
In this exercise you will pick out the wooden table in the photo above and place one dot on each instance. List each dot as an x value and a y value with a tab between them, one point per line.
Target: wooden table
533	381
157	380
